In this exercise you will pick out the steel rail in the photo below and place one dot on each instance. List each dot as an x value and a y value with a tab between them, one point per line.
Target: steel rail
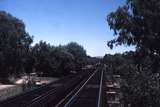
71	99
41	98
100	90
69	94
21	98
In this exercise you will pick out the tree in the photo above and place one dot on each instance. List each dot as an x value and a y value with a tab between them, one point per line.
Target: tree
14	44
64	61
52	61
18	56
137	23
78	52
42	58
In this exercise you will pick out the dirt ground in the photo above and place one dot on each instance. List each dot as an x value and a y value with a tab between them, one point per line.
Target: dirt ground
2	87
23	80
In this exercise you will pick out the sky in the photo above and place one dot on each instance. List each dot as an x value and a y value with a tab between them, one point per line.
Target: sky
63	21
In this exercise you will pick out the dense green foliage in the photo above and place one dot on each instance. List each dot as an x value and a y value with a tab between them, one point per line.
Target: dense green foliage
18	56
140	88
137	23
14	44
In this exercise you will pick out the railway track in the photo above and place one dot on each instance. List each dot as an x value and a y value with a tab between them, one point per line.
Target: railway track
89	94
24	98
82	90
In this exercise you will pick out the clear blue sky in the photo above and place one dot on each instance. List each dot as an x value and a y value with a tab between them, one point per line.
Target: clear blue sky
63	21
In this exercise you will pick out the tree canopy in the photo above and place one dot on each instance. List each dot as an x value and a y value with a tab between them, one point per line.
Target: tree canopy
14	44
18	56
137	23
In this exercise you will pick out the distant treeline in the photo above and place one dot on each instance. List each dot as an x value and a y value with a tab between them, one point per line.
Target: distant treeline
18	56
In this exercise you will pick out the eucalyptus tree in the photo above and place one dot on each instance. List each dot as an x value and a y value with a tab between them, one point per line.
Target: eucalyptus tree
137	23
42	59
79	53
14	44
64	61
